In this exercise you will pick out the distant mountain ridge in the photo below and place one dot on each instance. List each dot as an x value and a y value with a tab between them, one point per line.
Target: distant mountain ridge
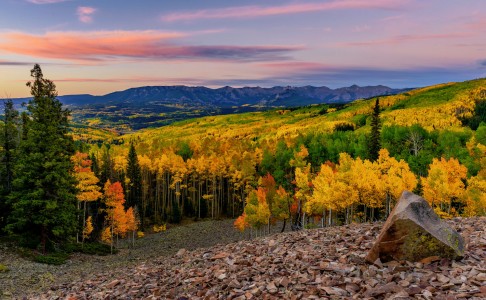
155	106
228	96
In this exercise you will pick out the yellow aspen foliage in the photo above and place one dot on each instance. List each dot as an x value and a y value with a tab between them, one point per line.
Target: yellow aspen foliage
281	204
241	223
87	186
299	158
368	183
119	220
106	235
256	209
87	181
475	197
132	222
322	196
444	182
330	192
159	228
396	175
88	228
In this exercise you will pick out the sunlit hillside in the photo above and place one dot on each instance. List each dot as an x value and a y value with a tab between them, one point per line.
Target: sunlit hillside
436	107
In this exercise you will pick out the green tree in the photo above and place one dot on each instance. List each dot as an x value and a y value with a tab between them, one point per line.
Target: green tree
375	142
44	195
134	175
9	141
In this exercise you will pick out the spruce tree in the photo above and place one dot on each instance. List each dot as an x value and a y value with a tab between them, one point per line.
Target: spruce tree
9	141
375	138
134	175
44	195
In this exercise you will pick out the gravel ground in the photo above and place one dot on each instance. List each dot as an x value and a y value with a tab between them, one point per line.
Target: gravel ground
26	277
311	264
211	260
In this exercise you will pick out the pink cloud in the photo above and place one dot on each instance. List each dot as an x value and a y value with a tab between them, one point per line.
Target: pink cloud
46	1
261	11
296	66
85	14
131	80
406	38
106	46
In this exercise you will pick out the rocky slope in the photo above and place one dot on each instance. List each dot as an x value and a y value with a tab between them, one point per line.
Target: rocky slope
313	264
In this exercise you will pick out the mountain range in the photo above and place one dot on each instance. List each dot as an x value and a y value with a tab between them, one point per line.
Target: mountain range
228	96
154	106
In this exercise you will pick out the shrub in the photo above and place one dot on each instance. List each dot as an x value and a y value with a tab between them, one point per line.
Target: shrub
89	248
3	268
56	258
160	228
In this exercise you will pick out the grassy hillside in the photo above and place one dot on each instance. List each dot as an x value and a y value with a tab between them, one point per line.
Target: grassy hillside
435	107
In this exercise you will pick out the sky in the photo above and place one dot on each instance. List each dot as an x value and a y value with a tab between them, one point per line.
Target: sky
100	46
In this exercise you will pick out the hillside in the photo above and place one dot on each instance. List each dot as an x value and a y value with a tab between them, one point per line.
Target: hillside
434	107
153	106
300	265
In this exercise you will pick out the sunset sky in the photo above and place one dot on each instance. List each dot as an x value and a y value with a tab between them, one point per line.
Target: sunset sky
100	46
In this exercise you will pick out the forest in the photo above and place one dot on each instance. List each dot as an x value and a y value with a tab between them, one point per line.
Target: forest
304	167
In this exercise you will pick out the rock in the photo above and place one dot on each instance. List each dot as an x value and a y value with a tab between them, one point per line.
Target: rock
272	288
399	296
429	259
220	255
391	287
113	284
181	252
413	232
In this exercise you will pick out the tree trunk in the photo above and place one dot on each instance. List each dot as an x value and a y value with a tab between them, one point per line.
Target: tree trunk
43	239
284	224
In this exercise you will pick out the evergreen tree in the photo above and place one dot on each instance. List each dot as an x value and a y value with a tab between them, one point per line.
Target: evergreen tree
9	142
44	195
94	165
134	174
375	138
106	171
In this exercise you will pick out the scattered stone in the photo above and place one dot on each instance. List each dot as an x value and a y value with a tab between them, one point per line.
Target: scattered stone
429	259
220	255
181	252
113	284
413	232
391	287
309	264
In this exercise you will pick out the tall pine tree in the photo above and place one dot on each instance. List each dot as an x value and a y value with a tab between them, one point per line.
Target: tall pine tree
134	174
44	195
375	137
9	141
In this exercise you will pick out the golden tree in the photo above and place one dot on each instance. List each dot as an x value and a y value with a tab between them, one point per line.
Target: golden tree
396	178
444	183
87	186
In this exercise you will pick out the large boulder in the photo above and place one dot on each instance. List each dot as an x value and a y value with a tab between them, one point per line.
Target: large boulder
413	232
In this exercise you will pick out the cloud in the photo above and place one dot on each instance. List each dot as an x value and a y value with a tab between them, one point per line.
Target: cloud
109	46
338	76
15	63
85	14
406	38
254	11
482	63
46	1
